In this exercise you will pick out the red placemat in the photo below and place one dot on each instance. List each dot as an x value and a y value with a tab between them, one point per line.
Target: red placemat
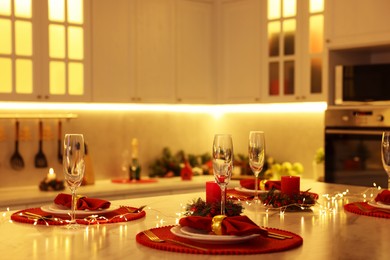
351	207
133	181
119	215
259	245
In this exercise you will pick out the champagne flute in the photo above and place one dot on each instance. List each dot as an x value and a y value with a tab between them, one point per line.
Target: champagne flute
73	167
385	154
222	164
256	151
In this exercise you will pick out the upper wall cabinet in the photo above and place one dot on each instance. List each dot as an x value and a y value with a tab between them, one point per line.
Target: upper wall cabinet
153	51
240	32
294	50
43	50
272	51
358	23
173	51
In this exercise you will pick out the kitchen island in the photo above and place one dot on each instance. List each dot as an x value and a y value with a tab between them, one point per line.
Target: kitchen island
328	231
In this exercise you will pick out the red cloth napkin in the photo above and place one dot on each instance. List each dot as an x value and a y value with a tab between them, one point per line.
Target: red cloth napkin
250	184
383	197
82	203
237	225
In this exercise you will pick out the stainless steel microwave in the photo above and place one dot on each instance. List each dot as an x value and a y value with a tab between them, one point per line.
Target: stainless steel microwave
362	84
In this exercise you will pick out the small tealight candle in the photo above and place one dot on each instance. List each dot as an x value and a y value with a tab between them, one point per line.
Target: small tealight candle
213	192
290	185
51	175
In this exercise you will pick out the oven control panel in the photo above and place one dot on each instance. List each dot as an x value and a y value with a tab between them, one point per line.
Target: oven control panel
360	117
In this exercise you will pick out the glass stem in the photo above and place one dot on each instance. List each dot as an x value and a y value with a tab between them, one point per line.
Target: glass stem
74	203
388	183
223	199
256	186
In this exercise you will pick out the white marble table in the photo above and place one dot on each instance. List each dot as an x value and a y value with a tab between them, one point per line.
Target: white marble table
327	235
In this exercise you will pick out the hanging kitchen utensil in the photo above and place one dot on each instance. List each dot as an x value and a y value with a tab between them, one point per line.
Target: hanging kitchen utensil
59	153
40	158
16	161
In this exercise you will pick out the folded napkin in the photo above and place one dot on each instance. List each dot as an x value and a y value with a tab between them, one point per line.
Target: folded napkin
250	184
82	202
237	225
383	197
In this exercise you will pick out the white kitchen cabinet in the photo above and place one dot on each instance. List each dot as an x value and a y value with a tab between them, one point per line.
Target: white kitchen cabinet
358	23
240	61
110	51
195	52
173	51
44	54
295	55
153	51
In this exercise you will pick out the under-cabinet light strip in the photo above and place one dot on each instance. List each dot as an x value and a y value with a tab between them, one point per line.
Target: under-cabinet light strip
301	107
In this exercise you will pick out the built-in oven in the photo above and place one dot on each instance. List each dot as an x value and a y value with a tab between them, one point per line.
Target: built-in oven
352	145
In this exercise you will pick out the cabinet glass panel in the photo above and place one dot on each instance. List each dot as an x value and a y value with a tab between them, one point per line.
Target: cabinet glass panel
5	7
5	37
273	38
75	42
316	6
5	75
316	75
22	8
289	27
56	41
273	89
57	77
75	11
316	40
289	8
76	78
56	10
274	9
24	76
289	78
23	38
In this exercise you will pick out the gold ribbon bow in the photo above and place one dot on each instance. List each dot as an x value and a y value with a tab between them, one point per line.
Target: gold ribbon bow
216	224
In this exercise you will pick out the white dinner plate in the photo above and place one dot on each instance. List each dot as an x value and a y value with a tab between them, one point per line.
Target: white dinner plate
60	210
200	236
379	204
251	192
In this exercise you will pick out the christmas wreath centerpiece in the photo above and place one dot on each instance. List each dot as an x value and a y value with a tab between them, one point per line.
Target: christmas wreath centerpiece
199	207
297	202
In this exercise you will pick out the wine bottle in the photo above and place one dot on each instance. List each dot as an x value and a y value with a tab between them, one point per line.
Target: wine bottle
135	168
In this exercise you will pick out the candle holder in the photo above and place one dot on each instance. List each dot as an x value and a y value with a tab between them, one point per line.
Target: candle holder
50	183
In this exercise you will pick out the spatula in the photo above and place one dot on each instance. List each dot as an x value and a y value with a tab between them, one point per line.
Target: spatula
16	161
40	158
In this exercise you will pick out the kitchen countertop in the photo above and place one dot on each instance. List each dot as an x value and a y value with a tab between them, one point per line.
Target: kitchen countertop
326	233
30	196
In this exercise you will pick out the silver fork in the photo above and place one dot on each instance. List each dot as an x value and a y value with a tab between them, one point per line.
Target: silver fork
153	237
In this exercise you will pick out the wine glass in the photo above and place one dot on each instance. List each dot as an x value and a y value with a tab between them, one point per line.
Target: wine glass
256	151
73	166
385	154
222	163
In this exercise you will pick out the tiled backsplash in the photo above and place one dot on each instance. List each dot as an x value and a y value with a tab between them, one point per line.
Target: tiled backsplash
290	137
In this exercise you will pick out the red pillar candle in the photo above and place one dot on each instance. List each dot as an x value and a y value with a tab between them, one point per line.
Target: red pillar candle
213	192
290	185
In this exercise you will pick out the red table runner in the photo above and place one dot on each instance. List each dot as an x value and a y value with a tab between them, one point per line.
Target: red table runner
134	181
258	245
351	207
119	215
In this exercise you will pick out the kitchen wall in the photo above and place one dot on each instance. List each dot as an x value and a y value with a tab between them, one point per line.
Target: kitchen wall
290	137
